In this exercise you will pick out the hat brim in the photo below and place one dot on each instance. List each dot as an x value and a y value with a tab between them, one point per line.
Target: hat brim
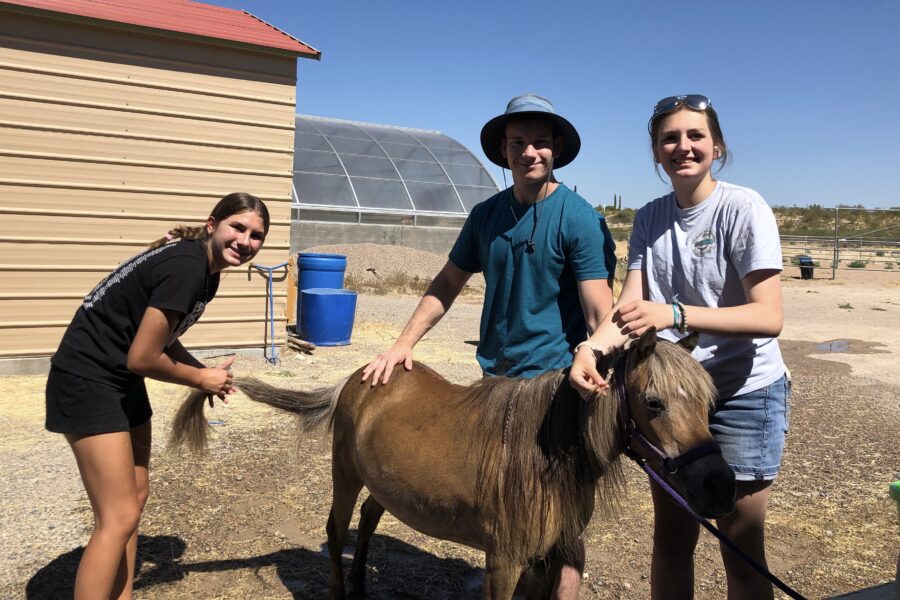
495	130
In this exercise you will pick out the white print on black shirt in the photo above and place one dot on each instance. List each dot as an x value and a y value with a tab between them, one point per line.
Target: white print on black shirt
188	320
119	274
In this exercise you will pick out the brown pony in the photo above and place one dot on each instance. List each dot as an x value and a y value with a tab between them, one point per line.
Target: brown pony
509	466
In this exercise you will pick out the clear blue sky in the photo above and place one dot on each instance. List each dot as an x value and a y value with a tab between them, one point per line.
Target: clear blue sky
808	91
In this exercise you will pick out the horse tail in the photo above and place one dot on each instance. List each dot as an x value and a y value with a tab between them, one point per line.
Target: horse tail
315	408
190	427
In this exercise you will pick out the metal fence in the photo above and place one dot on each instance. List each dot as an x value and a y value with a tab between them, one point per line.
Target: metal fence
878	249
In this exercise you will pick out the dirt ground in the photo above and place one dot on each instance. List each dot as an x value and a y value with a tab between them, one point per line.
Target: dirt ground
248	519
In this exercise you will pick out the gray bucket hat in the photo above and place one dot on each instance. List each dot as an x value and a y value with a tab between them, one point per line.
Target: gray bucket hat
529	104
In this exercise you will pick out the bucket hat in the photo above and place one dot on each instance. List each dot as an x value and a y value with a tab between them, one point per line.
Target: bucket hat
525	105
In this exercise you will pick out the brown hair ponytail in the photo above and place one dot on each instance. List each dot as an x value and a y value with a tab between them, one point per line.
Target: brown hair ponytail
232	204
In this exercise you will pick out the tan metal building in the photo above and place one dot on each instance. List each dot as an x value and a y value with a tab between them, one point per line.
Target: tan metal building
120	120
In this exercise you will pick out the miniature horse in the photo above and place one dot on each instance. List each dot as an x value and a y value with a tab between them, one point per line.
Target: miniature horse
508	466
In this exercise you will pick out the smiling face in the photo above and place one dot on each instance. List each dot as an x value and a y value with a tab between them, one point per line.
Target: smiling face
529	149
685	147
235	239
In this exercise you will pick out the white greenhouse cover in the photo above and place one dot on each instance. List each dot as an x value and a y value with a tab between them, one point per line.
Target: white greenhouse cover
346	165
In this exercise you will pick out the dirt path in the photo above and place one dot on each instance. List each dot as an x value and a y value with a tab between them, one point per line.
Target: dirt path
247	521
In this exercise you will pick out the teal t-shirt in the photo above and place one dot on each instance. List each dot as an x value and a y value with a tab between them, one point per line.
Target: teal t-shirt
532	315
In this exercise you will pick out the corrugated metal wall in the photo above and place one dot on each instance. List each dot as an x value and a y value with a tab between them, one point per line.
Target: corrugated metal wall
107	139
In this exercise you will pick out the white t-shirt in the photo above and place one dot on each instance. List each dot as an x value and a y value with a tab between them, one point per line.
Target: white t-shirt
701	254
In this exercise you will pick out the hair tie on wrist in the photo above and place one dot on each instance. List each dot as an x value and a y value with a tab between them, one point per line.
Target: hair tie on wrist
591	345
169	237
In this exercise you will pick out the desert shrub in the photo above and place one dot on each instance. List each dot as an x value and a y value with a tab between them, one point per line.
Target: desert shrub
393	282
857	264
888	265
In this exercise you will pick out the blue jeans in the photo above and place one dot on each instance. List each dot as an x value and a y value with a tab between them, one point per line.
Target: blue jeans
751	429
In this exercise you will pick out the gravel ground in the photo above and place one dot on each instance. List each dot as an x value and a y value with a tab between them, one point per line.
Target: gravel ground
248	519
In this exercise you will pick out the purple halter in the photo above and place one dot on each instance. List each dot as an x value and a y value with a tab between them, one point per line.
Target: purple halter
671	465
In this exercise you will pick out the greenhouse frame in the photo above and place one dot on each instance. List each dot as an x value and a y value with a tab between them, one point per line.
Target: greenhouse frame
363	174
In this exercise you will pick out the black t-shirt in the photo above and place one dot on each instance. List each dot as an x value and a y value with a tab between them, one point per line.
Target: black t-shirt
174	277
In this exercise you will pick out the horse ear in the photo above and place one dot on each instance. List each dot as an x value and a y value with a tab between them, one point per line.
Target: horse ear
645	345
690	342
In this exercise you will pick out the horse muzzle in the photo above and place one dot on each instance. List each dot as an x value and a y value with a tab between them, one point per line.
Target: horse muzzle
707	484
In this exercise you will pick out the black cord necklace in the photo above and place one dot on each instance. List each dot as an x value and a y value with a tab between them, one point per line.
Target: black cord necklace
529	244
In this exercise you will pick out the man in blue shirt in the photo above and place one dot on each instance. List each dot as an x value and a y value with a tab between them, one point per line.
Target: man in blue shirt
547	256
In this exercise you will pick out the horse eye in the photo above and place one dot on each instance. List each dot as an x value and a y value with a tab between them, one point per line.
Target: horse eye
654	406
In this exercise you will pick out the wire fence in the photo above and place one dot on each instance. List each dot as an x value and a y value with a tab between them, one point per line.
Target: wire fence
859	242
849	248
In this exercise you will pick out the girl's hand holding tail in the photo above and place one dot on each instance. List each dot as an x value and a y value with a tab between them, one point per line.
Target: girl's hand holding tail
217	381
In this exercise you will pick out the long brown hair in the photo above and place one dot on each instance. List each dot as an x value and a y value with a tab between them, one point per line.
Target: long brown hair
232	204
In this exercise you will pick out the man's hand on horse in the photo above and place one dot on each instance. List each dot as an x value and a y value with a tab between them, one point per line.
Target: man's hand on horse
383	365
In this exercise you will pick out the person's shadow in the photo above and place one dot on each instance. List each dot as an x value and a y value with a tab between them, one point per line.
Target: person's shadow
395	570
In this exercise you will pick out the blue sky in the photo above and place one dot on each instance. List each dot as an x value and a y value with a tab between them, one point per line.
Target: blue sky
808	92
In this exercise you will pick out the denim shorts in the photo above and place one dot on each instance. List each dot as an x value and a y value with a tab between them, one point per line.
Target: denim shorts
751	429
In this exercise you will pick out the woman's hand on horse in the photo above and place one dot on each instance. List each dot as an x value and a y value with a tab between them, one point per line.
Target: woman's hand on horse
634	318
384	363
583	376
217	381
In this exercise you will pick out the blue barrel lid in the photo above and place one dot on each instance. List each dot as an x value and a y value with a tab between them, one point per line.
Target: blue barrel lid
321	255
328	292
322	262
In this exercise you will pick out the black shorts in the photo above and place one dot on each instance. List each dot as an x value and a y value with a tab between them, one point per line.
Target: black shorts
77	405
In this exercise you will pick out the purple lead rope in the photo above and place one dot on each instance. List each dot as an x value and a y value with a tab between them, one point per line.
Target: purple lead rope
632	432
712	529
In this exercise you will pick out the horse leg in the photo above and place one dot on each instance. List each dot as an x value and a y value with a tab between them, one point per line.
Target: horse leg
500	577
370	515
346	485
539	578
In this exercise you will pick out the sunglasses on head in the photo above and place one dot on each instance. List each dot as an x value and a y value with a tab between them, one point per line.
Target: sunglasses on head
692	101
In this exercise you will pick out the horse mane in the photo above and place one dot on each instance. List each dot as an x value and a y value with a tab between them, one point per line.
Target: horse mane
540	451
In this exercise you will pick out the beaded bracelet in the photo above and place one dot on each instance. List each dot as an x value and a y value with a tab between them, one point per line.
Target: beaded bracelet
675	316
682	326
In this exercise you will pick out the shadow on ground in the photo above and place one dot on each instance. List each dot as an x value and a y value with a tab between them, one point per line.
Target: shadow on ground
391	567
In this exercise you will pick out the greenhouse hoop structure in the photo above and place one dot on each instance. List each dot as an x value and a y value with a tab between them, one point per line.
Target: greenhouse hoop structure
354	172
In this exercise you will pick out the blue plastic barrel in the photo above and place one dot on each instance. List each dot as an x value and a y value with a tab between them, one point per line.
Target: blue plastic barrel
321	270
326	316
318	271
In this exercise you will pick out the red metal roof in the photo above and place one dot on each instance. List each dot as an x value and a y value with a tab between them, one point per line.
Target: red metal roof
181	16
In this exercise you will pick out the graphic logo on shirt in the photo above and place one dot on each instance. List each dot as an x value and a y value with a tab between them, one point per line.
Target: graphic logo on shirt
188	320
704	243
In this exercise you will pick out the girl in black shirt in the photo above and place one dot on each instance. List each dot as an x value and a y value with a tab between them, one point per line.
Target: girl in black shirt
126	329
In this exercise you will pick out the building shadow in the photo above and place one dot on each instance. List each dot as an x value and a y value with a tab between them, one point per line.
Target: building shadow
395	569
